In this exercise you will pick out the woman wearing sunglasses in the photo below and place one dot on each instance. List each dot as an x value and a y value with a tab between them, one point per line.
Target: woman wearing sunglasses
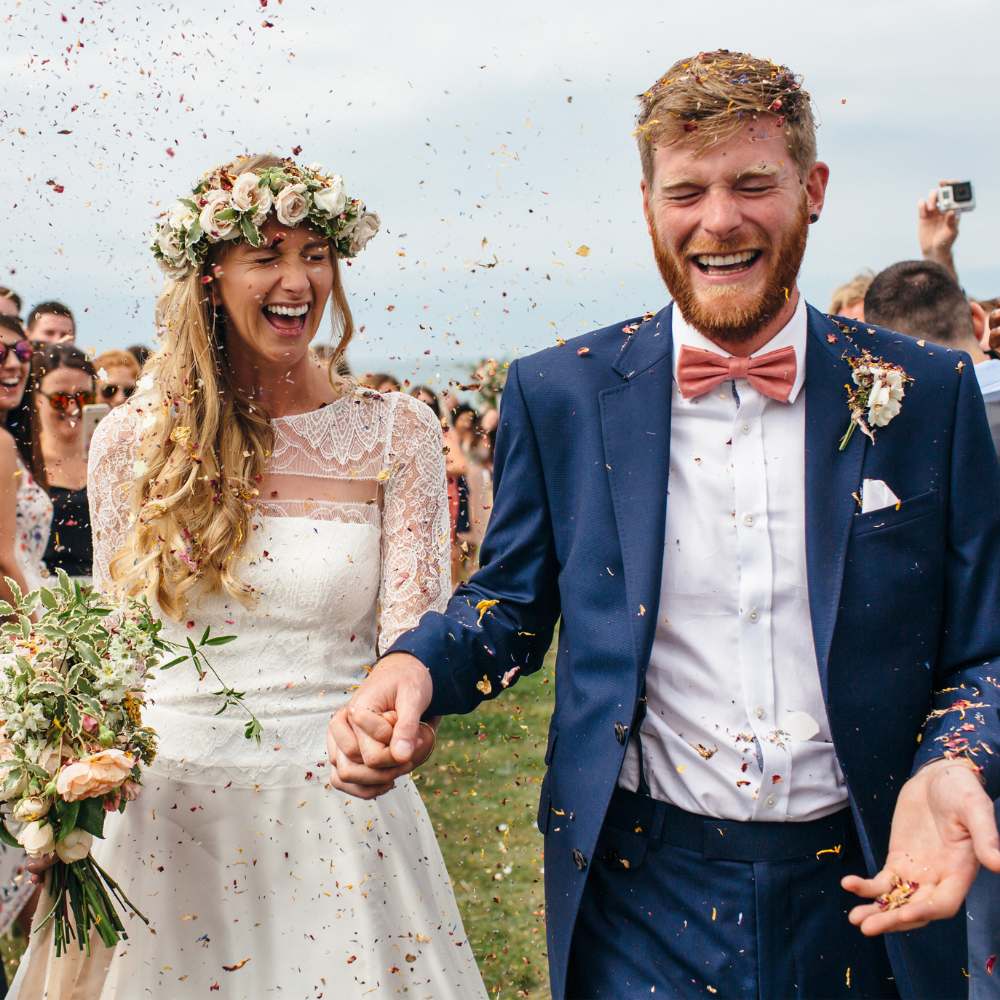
117	373
63	382
25	515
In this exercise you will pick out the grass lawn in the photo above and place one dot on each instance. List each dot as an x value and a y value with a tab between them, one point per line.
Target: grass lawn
481	789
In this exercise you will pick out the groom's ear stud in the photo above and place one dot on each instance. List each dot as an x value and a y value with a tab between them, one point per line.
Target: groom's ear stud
814	217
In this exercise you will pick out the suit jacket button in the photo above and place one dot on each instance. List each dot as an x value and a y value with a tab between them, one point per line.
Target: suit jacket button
578	859
621	732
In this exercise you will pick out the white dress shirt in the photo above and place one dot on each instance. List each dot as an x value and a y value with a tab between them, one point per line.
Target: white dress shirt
736	726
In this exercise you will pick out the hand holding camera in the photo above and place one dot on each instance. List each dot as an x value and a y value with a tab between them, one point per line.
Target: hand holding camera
938	217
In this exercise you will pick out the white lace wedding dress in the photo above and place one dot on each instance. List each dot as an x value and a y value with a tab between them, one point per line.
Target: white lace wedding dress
258	879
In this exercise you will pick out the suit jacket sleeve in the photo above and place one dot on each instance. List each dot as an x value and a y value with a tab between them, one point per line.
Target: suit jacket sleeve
967	682
499	625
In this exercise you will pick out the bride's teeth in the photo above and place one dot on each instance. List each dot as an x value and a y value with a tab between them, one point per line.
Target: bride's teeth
288	310
718	260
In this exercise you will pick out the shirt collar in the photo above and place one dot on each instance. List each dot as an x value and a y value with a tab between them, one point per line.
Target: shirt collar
988	374
793	334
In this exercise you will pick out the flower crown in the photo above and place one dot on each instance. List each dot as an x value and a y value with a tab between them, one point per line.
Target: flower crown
225	205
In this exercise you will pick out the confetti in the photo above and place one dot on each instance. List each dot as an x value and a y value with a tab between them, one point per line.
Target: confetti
235	968
583	250
483	606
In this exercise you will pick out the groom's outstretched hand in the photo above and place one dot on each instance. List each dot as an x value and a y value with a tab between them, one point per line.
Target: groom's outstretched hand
943	829
378	735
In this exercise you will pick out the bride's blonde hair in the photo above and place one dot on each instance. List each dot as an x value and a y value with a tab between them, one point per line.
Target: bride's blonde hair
204	448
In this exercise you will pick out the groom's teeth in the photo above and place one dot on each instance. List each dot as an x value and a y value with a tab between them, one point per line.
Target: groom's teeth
726	260
288	310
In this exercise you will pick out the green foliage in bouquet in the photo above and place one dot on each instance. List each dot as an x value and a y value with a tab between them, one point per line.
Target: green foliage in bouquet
72	741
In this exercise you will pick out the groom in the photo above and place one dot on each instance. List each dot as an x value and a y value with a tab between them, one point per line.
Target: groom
777	677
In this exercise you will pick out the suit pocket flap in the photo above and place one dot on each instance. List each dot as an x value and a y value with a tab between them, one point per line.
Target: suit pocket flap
890	517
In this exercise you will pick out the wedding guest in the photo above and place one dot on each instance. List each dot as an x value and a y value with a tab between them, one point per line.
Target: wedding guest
922	298
849	299
51	323
937	232
427	395
10	302
765	772
117	374
140	352
63	382
25	515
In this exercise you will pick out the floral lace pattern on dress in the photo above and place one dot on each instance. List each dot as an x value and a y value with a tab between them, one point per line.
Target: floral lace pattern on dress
33	521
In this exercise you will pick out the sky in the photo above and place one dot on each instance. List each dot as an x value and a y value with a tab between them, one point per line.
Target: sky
495	141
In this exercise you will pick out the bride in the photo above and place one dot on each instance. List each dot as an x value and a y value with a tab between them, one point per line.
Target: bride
246	488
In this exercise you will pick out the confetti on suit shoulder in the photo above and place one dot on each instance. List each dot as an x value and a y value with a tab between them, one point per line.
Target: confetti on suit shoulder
991	964
959	367
583	351
239	965
484	685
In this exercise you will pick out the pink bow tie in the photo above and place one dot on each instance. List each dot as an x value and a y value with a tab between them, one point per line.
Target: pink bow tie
771	374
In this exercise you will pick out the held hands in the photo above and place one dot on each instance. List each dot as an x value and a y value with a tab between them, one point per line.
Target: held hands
943	829
378	735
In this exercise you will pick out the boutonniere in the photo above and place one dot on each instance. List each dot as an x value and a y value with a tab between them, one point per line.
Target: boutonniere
876	396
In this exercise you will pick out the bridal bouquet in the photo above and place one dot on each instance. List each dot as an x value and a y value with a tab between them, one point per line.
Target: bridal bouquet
72	742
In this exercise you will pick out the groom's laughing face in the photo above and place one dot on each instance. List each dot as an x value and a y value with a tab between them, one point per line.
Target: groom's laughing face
729	227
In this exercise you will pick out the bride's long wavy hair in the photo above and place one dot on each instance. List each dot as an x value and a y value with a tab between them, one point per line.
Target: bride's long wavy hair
203	449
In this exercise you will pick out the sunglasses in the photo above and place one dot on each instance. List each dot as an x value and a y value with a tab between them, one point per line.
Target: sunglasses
62	402
110	390
22	349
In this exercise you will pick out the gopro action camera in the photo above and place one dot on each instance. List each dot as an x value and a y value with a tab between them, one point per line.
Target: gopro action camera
956	197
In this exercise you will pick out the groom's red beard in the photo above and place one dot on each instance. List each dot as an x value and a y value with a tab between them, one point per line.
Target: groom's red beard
716	315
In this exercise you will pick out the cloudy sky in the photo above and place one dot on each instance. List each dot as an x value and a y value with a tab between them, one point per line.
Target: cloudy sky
482	134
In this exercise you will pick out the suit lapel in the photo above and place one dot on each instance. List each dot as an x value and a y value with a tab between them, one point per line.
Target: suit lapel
832	477
635	418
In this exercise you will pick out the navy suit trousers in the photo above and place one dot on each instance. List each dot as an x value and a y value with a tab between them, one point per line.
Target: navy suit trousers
665	921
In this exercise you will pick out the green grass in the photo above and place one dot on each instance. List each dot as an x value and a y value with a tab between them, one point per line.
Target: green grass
481	790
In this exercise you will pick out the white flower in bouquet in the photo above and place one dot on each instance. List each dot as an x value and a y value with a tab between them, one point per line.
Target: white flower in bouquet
366	226
37	839
34	807
75	846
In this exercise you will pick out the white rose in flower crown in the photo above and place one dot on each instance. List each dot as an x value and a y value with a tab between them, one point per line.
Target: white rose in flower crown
292	205
214	228
364	228
181	216
30	809
248	194
333	198
75	846
170	240
37	839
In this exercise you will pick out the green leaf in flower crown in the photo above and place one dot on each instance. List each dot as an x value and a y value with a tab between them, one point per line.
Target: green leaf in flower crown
91	817
191	203
250	232
228	215
193	234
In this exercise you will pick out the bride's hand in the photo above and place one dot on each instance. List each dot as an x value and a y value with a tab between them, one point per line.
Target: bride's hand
349	771
39	866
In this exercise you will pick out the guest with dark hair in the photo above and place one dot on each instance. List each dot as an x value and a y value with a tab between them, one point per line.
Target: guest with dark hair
51	323
10	302
62	382
427	395
923	299
140	352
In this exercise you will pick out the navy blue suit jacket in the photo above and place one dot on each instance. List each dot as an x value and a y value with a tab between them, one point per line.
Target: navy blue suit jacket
904	601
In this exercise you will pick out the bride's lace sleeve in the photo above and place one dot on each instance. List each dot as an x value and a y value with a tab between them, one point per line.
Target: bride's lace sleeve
416	534
109	478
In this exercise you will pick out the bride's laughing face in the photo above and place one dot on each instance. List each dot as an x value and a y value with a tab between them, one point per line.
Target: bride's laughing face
274	295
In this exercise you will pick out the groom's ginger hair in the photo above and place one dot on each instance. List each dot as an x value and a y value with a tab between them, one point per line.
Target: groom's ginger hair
707	99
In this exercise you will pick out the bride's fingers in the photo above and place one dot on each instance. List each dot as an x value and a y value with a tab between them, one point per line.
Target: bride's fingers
358	774
360	791
340	735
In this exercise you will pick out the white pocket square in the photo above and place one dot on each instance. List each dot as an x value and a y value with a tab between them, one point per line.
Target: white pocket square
875	495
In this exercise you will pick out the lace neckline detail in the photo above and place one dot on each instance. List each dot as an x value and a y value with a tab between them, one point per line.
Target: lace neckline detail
354	394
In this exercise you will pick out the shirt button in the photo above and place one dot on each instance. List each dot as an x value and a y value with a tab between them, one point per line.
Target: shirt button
578	859
748	520
745	428
769	801
754	616
760	713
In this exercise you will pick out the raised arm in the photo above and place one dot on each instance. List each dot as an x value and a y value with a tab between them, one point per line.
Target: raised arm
109	479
